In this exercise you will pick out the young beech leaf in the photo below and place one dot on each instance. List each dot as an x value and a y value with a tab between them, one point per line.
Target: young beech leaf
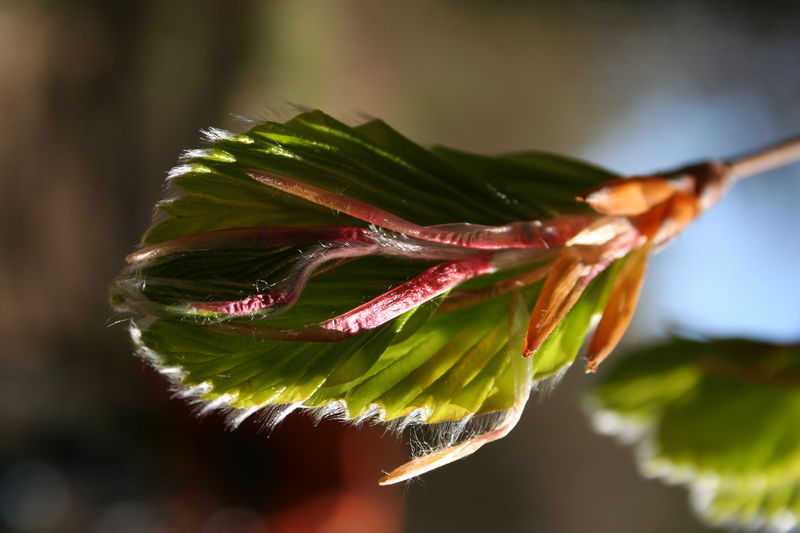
348	271
720	417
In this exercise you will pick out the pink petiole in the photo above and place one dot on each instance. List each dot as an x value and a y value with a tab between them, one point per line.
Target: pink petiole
528	234
433	282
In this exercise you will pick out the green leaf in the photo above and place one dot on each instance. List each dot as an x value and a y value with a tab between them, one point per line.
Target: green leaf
453	366
421	366
718	416
372	163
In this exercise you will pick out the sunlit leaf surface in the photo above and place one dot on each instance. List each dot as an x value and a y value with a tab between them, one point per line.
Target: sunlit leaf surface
421	366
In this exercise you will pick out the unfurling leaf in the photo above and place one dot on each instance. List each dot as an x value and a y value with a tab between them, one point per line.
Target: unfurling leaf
720	417
346	270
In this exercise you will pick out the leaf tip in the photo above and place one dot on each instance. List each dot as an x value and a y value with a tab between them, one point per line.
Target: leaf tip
390	479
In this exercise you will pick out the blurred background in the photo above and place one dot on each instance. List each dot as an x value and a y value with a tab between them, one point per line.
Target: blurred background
98	98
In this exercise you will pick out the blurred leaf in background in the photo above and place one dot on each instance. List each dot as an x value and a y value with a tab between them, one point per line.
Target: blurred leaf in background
720	417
